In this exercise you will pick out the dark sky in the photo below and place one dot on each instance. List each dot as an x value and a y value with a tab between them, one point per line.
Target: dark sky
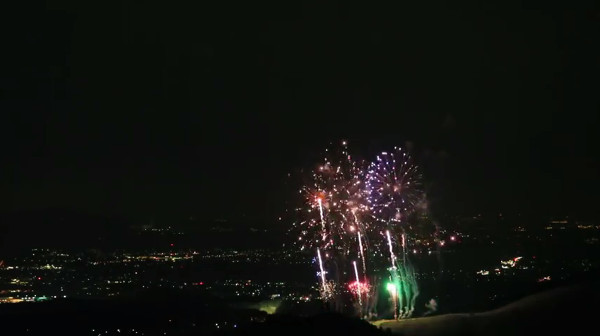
157	109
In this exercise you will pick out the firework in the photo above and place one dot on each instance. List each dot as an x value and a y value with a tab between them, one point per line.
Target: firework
324	230
329	201
322	273
392	256
353	210
358	291
362	253
334	200
393	289
355	285
393	185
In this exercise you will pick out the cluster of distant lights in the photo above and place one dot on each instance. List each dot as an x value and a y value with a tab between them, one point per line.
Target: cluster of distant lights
505	264
33	298
133	331
246	287
508	264
52	283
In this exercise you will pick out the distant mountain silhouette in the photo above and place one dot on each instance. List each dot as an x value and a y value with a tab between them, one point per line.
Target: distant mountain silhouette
70	229
150	311
60	228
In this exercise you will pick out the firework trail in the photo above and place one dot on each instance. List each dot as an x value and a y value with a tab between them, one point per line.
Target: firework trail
322	271
395	286
359	293
392	256
404	247
320	202
362	254
415	290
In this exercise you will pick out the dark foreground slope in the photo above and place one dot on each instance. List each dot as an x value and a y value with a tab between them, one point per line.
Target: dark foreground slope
322	324
153	312
573	309
567	310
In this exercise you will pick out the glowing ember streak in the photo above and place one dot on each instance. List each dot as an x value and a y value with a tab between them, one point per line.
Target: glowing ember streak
362	253
358	285
404	248
322	271
389	239
320	201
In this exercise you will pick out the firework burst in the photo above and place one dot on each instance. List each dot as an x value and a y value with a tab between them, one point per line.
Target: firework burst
394	186
329	201
334	202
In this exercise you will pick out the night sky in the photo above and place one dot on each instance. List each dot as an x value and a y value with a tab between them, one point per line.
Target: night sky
164	110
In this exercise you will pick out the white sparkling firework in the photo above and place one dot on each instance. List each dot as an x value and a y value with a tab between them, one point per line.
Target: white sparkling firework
358	286
394	186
